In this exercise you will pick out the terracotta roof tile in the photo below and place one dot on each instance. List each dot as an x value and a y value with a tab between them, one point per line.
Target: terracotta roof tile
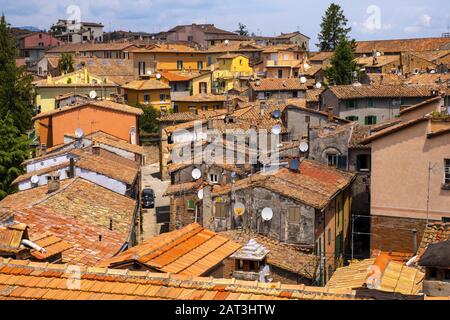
381	91
275	84
401	45
192	250
434	233
201	98
148	84
139	286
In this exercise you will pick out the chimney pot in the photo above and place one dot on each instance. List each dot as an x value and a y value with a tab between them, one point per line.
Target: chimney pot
330	114
53	182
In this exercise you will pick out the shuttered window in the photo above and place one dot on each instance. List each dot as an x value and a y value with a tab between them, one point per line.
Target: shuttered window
221	210
294	215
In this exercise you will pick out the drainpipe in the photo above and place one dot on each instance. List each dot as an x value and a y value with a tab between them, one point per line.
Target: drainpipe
414	231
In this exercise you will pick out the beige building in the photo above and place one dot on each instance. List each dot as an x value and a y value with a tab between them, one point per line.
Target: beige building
410	183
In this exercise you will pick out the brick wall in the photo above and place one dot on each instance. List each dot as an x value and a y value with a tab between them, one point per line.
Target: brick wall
395	234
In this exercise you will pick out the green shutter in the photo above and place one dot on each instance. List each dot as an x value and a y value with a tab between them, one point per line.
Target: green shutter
366	120
191	205
370	103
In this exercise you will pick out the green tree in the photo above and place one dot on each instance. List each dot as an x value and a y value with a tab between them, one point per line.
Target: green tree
333	28
148	122
65	63
242	30
343	64
16	92
14	149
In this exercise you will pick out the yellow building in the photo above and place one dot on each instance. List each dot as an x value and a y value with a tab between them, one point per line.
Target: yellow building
150	91
168	57
231	71
184	83
80	82
203	102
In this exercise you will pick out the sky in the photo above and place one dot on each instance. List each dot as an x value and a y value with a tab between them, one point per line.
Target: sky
370	20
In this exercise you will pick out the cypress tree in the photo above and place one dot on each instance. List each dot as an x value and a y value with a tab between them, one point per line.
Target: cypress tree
343	64
333	28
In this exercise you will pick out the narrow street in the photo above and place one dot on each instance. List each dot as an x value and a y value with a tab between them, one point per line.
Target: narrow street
156	220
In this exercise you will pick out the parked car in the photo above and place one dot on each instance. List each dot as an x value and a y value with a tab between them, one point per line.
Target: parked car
148	198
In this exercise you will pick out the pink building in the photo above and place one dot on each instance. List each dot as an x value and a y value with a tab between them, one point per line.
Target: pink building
33	45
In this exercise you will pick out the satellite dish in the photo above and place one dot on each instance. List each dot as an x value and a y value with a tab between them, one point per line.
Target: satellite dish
149	72
196	174
267	214
306	66
276	129
200	194
34	179
304	147
276	114
238	209
318	85
93	94
158	76
79	133
303	80
233	175
378	54
227	42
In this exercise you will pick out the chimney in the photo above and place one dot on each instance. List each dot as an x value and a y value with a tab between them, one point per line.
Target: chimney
330	114
96	149
414	231
53	182
230	107
110	224
262	107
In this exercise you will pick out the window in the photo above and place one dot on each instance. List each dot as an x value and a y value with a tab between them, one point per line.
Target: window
280	73
307	119
205	108
370	103
216	107
294	215
221	210
329	237
447	172
141	67
180	65
125	97
190	205
203	87
295	94
370	120
214	178
175	108
146	98
363	162
209	61
200	65
332	160
162	97
352	118
351	104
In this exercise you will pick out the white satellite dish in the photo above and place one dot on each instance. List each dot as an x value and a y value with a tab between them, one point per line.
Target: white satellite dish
158	76
196	174
93	94
378	54
306	66
238	209
318	85
200	194
276	129
304	147
79	133
227	42
149	72
303	80
34	179
267	214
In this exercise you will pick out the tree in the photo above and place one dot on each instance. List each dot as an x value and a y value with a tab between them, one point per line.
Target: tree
343	64
16	94
65	63
148	122
14	149
333	28
242	30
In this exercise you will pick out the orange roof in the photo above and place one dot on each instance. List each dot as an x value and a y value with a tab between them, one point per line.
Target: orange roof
110	140
148	84
402	45
381	91
192	250
434	233
206	97
174	76
32	280
105	104
275	84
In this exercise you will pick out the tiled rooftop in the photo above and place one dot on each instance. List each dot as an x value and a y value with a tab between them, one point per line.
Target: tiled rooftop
191	250
382	91
315	185
31	280
147	84
395	277
434	233
275	84
281	255
401	45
